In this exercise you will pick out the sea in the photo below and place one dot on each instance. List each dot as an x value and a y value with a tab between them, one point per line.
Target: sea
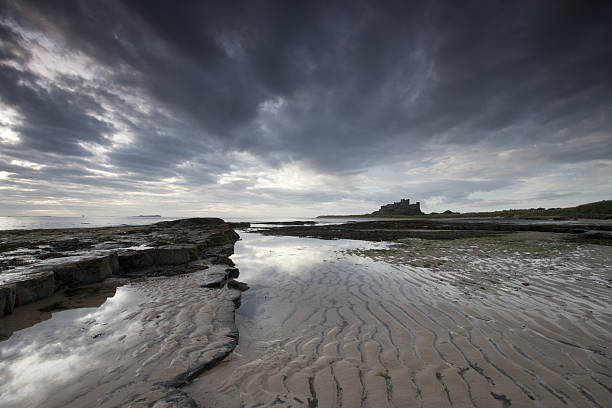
51	222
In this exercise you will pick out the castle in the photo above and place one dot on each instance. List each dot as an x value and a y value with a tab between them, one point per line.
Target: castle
403	206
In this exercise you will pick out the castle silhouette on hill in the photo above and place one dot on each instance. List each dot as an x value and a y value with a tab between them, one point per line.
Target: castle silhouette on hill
402	207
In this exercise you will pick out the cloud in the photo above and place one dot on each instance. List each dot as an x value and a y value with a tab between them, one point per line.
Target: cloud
127	95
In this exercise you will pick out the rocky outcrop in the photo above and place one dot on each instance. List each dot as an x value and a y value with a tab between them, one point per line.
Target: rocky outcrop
431	229
86	271
166	247
7	298
33	287
597	234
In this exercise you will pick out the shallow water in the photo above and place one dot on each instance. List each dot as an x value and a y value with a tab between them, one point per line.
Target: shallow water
40	360
322	327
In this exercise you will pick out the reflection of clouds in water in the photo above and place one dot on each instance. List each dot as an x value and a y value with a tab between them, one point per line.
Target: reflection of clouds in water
111	310
262	258
41	358
28	379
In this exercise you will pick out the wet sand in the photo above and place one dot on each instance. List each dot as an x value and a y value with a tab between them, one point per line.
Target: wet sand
481	322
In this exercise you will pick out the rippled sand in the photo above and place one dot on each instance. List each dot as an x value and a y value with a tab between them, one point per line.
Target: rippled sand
466	323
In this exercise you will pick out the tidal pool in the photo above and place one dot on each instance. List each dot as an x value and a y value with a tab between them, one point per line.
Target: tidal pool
40	361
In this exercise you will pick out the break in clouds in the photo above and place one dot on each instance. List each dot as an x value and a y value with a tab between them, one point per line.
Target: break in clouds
302	108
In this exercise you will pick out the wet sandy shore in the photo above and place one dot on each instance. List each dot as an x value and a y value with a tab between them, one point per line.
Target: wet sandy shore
481	322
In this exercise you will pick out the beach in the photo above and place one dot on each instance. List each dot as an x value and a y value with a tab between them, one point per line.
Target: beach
492	318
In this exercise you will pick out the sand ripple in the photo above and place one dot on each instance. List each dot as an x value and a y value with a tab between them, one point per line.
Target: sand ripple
327	325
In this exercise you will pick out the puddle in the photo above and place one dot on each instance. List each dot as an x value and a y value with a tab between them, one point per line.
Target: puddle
48	355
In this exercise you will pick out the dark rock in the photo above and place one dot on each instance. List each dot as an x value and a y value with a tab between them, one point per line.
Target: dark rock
287	223
7	298
175	399
174	255
72	244
234	284
428	229
191	222
214	281
239	225
222	250
597	234
86	271
131	260
222	260
222	238
232	273
33	287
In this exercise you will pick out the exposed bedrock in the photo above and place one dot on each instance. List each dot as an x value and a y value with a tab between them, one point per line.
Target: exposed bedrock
432	229
34	287
7	298
156	249
86	271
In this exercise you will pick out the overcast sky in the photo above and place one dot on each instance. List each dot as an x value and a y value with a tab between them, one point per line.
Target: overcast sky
287	108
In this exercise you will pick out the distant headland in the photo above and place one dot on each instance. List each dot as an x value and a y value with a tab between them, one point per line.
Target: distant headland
403	208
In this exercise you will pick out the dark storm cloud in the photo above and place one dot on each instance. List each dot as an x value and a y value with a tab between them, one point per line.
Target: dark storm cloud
55	120
339	85
352	75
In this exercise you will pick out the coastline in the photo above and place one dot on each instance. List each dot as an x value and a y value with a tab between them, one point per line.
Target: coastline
372	314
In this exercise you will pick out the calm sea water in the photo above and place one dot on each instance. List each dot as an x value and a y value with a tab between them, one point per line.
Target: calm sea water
35	222
46	222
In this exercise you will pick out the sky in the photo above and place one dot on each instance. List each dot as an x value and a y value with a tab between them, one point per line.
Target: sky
296	109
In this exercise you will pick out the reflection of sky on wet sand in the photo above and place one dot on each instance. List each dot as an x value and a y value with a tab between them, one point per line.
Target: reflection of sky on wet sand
273	266
263	258
40	359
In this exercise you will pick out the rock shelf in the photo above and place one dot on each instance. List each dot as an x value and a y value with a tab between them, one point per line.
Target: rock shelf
440	229
50	260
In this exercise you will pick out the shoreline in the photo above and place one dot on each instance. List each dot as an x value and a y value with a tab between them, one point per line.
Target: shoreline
378	314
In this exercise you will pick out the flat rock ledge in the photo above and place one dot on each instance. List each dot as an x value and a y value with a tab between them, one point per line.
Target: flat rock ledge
50	260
